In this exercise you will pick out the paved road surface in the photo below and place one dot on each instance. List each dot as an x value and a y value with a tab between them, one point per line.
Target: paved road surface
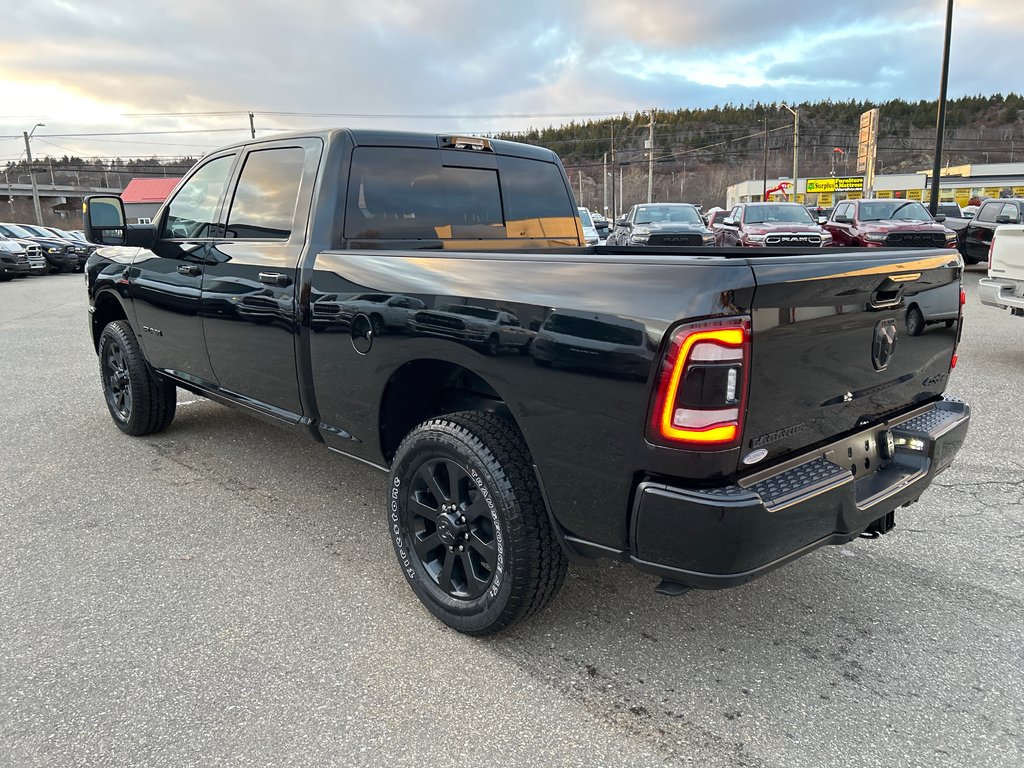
224	594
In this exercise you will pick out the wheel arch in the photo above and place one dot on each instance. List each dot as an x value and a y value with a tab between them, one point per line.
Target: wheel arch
428	387
107	308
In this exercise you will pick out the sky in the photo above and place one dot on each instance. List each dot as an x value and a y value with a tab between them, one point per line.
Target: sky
158	73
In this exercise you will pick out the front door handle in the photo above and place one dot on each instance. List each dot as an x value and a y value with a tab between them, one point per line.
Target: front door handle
275	278
189	269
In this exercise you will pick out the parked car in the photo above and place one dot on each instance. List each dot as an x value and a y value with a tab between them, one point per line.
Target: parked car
60	255
976	237
388	313
602	225
13	260
949	210
714	218
1004	286
760	225
594	341
876	223
590	236
82	248
768	410
662	224
486	327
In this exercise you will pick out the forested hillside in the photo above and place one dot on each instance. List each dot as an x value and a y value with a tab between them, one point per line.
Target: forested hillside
699	152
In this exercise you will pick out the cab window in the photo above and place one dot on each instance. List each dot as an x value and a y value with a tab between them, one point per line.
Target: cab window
193	211
264	204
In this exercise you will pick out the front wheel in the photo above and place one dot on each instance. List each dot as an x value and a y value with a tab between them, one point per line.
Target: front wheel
468	523
140	401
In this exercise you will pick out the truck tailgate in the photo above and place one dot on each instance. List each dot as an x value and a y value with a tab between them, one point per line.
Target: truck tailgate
830	347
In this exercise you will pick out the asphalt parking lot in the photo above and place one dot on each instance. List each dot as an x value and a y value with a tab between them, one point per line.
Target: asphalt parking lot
224	593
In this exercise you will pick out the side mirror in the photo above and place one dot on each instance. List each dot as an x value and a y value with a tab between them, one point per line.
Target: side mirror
840	220
729	221
104	220
620	222
821	220
1003	220
940	217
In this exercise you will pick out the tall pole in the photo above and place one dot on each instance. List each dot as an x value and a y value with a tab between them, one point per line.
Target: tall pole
620	186
252	125
650	158
32	178
940	121
604	182
764	175
796	153
615	211
581	187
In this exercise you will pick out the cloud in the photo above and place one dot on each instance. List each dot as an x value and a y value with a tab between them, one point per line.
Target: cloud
451	58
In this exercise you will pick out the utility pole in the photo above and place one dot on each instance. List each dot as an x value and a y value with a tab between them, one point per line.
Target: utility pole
764	176
581	187
940	120
615	210
604	182
796	147
252	125
32	177
620	186
650	158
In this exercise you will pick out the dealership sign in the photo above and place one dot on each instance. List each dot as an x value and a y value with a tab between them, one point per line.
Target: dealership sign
836	184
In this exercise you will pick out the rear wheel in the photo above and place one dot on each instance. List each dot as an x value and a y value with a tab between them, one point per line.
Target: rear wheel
493	345
140	401
915	321
469	525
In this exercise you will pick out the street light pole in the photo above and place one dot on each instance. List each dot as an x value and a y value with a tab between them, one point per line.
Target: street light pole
940	120
31	175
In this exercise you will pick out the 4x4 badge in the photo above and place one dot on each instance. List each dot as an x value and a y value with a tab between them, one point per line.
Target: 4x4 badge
884	345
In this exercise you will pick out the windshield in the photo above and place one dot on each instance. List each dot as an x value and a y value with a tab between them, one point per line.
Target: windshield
658	214
884	210
13	230
792	212
585	218
37	231
458	309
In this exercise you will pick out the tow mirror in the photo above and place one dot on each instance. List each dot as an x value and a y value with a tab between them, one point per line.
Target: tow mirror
103	220
620	222
729	221
940	217
821	220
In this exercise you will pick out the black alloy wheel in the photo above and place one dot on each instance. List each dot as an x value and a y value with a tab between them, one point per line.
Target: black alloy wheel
140	401
469	525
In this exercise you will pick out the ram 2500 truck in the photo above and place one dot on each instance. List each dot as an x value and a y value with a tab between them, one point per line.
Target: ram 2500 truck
704	414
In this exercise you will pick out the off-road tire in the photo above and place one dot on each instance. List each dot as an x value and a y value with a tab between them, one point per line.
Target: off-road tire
490	481
140	401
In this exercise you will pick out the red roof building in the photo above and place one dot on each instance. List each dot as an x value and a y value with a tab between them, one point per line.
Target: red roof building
148	190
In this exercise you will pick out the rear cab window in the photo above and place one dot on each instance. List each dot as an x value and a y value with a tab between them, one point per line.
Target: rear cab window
399	193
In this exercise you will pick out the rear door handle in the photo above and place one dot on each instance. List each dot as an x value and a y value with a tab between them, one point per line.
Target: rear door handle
275	278
189	269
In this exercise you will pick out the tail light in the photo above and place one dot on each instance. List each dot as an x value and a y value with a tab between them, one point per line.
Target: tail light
991	247
959	329
702	386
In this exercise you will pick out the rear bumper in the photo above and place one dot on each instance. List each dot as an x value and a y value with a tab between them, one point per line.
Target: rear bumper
1000	293
723	537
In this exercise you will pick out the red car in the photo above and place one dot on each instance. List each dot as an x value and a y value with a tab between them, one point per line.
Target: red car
875	223
787	225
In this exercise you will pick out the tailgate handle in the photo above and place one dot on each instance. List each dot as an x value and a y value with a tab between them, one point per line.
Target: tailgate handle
886	299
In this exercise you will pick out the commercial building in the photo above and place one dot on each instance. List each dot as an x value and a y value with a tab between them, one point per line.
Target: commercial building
957	183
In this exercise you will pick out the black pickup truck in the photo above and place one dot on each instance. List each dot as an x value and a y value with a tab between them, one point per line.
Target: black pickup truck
424	304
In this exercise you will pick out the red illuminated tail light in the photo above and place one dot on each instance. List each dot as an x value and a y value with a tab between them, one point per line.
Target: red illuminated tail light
702	386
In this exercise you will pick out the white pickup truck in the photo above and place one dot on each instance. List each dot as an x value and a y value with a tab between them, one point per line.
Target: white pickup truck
1004	286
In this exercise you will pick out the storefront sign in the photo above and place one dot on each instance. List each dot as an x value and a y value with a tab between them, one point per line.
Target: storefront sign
835	184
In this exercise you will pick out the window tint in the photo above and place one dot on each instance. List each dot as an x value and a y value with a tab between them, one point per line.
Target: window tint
264	202
989	211
406	194
193	210
537	203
